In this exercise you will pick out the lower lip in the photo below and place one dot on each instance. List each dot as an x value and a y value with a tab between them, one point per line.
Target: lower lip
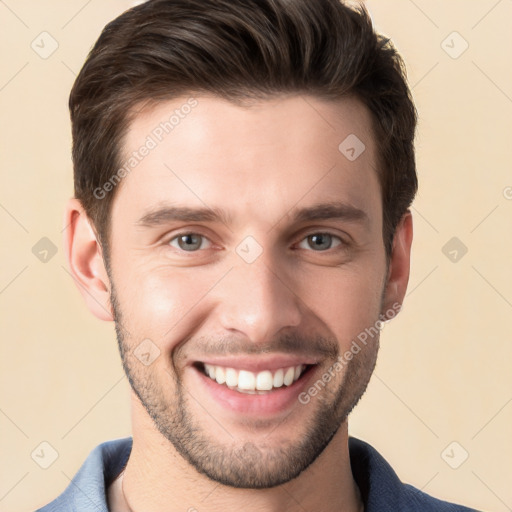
269	403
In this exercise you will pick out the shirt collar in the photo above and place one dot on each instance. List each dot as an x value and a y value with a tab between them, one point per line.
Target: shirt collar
380	487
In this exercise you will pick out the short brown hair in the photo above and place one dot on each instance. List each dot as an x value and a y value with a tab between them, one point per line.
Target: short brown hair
239	49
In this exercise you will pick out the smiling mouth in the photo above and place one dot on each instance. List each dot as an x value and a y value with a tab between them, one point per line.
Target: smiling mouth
245	381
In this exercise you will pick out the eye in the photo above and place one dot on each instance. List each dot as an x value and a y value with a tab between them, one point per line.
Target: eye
189	242
321	241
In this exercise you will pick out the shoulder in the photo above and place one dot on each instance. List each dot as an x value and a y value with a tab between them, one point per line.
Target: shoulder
415	499
86	491
381	489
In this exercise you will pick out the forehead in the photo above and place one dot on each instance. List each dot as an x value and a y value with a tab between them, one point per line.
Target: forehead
266	157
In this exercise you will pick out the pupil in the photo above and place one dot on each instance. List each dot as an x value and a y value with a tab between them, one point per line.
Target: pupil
189	242
321	241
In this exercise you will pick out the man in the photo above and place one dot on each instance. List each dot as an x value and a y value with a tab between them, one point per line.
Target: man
243	173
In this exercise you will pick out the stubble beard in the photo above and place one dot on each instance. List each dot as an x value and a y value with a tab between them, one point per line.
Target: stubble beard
243	463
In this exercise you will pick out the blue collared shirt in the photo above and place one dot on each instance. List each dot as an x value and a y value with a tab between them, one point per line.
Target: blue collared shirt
381	489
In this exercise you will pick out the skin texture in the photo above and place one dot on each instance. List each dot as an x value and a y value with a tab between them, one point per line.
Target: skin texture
259	164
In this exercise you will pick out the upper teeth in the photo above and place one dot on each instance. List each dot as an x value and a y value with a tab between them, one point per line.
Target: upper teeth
246	381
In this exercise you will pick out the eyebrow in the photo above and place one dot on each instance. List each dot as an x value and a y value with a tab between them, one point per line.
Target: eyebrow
165	214
324	211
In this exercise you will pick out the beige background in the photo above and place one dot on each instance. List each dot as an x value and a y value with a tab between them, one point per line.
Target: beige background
443	373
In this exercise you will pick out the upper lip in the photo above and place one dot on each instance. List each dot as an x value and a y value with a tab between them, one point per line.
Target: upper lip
258	363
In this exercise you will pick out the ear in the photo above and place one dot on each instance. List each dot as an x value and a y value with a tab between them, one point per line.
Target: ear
85	260
399	266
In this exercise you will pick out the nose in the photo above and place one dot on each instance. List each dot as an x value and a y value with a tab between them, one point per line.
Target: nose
258	300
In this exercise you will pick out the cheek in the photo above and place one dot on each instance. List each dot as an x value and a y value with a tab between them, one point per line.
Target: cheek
161	303
347	300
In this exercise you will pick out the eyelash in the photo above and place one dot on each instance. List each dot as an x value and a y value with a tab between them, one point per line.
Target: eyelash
185	233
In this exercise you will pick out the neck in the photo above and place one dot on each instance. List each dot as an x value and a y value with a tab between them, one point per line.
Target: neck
157	478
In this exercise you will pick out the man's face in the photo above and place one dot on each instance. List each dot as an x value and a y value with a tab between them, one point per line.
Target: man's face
275	284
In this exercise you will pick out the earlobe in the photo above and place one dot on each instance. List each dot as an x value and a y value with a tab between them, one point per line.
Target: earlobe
399	267
84	256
